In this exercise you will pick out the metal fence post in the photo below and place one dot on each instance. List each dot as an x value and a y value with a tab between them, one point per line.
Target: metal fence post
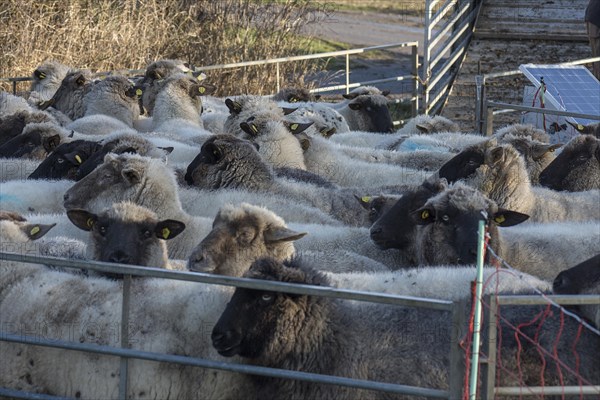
489	120
347	73
477	323
457	365
426	56
415	73
124	365
489	382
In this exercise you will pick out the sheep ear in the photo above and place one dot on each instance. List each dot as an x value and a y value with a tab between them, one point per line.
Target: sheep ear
74	158
496	155
424	127
578	127
365	201
288	110
131	175
233	106
206	88
168	229
350	96
424	216
82	219
167	150
304	141
80	80
385	93
71	134
51	143
296	127
539	150
36	231
45	104
250	128
505	218
328	132
282	234
355	106
317	97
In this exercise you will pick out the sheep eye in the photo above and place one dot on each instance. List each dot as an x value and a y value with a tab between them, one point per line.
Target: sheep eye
266	297
445	218
102	230
147	233
60	160
30	144
216	153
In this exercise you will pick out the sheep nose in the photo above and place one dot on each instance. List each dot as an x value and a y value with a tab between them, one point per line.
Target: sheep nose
66	197
561	282
376	232
222	340
119	257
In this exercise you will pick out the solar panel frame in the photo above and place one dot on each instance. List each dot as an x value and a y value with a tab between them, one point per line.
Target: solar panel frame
568	87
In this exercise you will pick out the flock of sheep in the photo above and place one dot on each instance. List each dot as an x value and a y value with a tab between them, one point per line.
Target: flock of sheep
154	171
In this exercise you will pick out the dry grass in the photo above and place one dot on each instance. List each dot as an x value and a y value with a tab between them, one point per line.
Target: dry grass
105	35
406	7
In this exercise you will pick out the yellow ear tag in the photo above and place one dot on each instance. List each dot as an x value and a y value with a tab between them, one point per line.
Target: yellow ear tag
254	128
499	219
90	222
294	127
293	100
425	214
34	231
78	158
365	199
202	89
42	75
579	127
138	92
165	233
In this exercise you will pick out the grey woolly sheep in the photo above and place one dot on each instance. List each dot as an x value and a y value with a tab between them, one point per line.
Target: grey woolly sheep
111	104
127	233
11	104
448	235
154	77
428	124
46	80
504	179
576	168
242	234
523	130
405	346
275	329
68	98
226	162
243	108
584	278
294	95
178	106
125	178
36	141
13	125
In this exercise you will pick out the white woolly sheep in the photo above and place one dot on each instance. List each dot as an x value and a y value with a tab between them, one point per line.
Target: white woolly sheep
46	80
154	77
13	169
527	131
11	104
504	179
42	196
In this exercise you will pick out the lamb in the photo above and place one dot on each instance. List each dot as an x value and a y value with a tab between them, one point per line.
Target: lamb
65	160
127	234
46	80
576	168
504	179
42	196
68	98
448	235
111	104
584	278
35	142
405	346
178	106
166	316
244	233
228	162
536	155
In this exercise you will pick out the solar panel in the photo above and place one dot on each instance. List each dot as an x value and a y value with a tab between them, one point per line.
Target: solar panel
569	88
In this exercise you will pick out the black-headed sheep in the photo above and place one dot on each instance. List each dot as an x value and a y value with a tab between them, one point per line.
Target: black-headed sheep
576	168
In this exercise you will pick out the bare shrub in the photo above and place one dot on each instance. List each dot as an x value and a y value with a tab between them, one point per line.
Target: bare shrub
105	35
